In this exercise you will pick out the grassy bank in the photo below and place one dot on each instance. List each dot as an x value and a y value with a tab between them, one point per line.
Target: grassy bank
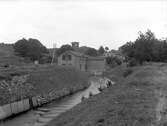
137	99
8	57
33	80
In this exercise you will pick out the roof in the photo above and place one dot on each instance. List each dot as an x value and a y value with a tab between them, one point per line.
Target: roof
83	55
77	53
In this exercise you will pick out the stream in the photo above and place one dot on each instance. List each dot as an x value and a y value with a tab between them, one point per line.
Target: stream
42	115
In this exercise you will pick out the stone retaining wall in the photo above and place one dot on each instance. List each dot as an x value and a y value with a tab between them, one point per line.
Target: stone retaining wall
17	107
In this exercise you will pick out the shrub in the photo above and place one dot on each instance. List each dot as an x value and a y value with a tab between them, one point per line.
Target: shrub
132	62
127	72
113	61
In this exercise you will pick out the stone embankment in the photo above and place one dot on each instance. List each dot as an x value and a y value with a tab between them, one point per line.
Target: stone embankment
21	106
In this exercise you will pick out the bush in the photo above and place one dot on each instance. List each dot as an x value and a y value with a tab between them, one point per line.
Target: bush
113	61
127	72
132	62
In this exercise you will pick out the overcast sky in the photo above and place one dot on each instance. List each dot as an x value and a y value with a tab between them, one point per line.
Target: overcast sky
91	22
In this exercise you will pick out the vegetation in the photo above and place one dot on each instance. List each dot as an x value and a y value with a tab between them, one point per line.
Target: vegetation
8	57
64	48
106	49
113	61
137	100
31	48
101	50
26	81
91	52
146	48
127	72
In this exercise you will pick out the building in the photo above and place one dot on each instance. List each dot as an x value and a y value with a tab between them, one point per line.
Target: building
82	61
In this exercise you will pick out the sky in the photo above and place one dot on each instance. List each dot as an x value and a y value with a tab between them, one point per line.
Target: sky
93	23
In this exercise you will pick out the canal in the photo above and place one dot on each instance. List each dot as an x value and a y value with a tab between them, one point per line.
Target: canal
42	115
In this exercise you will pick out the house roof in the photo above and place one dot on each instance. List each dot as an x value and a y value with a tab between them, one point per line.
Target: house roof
77	53
83	55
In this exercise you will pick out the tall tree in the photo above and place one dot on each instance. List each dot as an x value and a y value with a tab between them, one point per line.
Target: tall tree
31	48
101	50
146	48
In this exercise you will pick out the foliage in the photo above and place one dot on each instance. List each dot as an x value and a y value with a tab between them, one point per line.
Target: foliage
113	61
128	49
91	52
30	80
31	48
16	89
63	49
101	50
146	48
46	59
106	48
132	62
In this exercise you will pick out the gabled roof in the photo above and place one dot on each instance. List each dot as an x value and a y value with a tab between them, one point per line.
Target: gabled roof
75	53
83	55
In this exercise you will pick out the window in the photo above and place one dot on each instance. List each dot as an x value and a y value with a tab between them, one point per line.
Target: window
69	57
80	66
63	57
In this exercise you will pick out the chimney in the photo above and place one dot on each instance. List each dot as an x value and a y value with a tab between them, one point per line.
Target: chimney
75	44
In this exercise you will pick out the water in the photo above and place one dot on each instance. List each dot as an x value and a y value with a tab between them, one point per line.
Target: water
42	115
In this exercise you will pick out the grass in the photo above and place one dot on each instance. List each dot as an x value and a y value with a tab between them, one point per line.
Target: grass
7	56
50	77
138	99
40	80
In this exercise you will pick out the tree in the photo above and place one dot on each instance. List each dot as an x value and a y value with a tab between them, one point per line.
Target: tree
101	50
146	48
106	49
127	49
91	52
31	48
63	49
21	47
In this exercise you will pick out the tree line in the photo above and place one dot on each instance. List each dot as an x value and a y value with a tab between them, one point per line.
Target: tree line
35	50
145	48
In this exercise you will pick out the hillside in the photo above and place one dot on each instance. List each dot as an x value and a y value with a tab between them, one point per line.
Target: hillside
21	79
33	80
137	99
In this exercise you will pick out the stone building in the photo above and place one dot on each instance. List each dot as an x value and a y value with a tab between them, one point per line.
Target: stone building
82	61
